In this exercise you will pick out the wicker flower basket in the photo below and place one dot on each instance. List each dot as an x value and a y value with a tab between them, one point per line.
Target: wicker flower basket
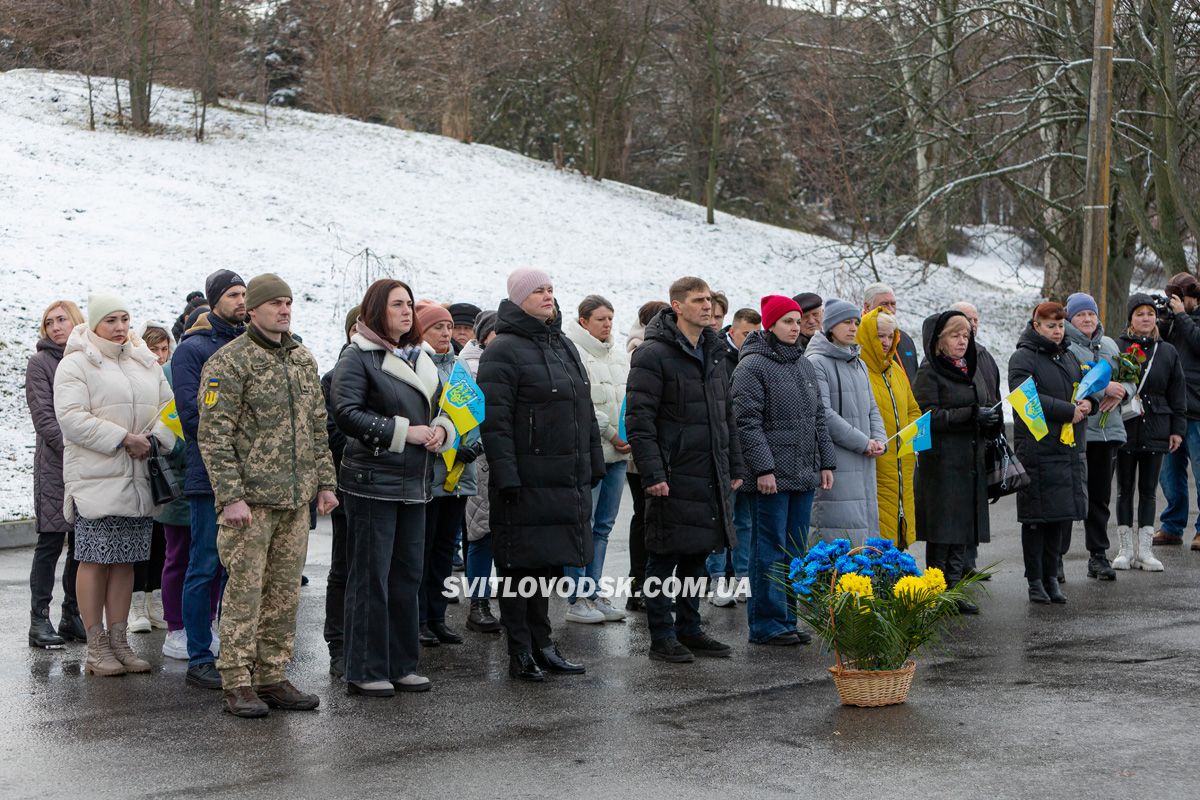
869	688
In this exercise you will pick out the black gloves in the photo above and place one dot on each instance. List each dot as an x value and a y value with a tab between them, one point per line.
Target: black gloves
987	417
466	455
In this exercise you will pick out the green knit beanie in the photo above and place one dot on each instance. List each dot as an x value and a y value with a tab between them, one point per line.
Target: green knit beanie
265	287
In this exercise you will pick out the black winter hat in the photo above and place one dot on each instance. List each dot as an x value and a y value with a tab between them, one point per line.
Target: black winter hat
485	323
808	301
219	283
1136	301
464	313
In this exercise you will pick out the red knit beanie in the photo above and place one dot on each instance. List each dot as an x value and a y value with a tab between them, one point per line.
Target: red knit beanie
430	313
775	306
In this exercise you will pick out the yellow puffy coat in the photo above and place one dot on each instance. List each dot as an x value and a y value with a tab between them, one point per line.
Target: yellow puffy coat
898	407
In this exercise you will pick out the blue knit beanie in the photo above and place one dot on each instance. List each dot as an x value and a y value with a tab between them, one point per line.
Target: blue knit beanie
1081	302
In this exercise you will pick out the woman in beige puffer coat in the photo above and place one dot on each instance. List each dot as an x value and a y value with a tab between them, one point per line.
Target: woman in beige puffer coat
108	392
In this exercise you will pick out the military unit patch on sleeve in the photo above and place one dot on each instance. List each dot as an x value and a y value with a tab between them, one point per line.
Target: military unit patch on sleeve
212	393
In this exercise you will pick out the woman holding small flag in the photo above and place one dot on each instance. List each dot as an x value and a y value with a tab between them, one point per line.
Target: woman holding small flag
788	454
1051	441
1157	380
952	510
879	336
385	396
1106	432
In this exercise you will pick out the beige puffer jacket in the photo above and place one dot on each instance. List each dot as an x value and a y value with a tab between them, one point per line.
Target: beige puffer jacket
608	369
103	390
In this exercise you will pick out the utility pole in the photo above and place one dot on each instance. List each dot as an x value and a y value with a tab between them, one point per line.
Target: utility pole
1094	279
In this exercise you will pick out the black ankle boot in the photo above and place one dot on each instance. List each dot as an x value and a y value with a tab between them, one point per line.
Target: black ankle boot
522	667
480	619
1037	593
444	635
41	632
426	637
70	627
1055	593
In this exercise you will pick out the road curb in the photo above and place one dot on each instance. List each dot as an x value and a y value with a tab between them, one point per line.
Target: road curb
19	533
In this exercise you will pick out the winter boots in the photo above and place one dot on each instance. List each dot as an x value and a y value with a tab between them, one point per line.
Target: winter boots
100	658
119	644
41	632
1126	549
138	622
1145	556
481	619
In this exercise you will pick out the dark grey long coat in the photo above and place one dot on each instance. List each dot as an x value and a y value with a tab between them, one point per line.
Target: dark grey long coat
48	453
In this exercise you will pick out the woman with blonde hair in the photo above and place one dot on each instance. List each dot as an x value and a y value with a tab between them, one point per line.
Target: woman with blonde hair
57	321
108	392
879	336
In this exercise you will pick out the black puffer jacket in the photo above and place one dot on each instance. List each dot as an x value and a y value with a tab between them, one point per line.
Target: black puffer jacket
1057	490
377	397
780	422
680	420
1182	331
542	443
952	499
1164	398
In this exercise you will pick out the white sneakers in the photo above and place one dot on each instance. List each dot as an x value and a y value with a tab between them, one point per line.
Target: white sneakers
412	683
154	610
138	622
583	611
611	614
1145	555
726	594
175	645
1126	552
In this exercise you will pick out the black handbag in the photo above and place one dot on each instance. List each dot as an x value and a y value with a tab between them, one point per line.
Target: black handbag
164	485
1006	474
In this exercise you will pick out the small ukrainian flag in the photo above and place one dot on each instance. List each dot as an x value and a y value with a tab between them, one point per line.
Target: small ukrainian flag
1028	406
916	437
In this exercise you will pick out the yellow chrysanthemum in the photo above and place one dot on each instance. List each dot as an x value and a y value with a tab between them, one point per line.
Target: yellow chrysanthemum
934	580
911	589
858	585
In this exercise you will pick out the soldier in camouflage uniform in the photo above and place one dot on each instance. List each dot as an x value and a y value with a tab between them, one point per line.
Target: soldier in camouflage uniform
265	445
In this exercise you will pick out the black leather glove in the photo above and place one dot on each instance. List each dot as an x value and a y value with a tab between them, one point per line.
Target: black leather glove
466	455
987	417
510	497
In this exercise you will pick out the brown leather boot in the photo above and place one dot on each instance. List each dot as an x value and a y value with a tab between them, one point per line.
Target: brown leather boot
241	701
117	637
100	658
1196	542
286	696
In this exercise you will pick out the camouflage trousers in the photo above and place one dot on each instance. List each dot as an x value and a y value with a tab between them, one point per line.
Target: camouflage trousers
258	612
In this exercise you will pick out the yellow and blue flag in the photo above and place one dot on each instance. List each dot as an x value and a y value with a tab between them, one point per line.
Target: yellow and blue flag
622	433
916	437
170	417
1097	376
1028	406
462	401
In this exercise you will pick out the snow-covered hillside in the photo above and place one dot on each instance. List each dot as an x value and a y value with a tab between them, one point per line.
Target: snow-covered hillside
302	194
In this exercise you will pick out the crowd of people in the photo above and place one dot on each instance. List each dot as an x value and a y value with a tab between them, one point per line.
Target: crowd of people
738	443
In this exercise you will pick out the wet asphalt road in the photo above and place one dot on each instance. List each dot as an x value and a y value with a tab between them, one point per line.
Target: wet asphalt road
1097	699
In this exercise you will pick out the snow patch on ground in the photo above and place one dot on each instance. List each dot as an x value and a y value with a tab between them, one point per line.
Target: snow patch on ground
330	203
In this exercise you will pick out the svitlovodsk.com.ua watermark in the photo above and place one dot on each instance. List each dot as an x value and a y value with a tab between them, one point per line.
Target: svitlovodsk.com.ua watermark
567	588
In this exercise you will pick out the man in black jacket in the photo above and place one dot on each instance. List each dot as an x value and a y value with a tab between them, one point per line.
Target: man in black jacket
681	427
880	294
1181	327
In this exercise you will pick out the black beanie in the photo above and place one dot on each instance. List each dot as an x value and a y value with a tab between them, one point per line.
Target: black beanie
1136	301
808	301
485	323
219	283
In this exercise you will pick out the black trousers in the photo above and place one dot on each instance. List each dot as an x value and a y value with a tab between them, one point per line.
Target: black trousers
385	549
951	559
686	620
637	530
147	575
1101	460
443	520
45	562
335	584
526	620
1043	544
1142	468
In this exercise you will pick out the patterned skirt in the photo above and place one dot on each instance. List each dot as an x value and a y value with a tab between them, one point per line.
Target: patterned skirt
112	540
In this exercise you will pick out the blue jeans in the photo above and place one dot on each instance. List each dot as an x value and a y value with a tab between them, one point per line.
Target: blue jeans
606	502
479	565
718	563
780	530
1174	480
204	566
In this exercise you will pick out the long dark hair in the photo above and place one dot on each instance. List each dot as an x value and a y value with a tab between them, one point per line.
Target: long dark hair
373	311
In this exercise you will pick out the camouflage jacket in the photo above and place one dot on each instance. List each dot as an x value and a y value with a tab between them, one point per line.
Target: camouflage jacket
262	423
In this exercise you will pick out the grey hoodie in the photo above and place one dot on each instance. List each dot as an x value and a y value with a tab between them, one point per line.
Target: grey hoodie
1087	351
